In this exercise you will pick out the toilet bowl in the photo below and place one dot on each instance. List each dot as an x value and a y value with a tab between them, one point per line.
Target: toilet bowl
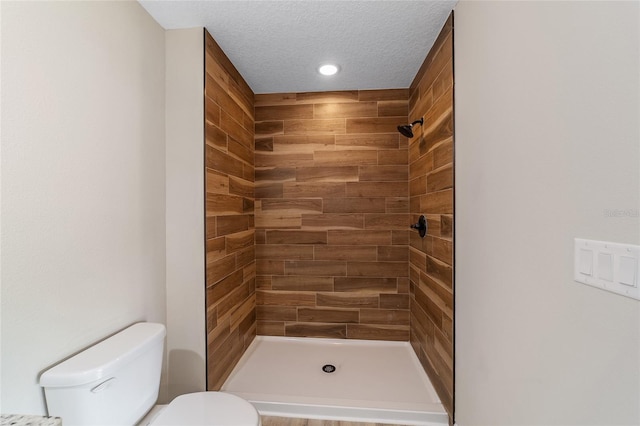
208	408
116	382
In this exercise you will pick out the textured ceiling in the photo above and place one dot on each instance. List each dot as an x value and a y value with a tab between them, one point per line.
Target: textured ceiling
278	45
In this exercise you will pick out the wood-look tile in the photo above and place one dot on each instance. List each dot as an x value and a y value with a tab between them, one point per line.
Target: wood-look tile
395	221
393	157
240	151
226	225
327	97
314	189
302	283
314	127
270	328
347	300
222	162
418	186
270	267
444	35
384	95
354	205
441	58
283	112
212	111
420	167
216	183
275	174
438	293
234	299
285	298
441	271
291	205
376	189
388	141
384	316
394	301
219	96
396	205
333	221
347	158
281	160
301	329
215	249
328	174
368	237
443	154
276	313
215	137
303	144
377	269
235	130
383	173
272	99
356	252
220	268
378	332
440	122
327	315
241	187
345	110
269	128
264	144
284	252
374	125
443	250
239	241
296	237
358	166
440	202
220	204
315	267
282	221
392	253
268	190
446	226
393	108
366	285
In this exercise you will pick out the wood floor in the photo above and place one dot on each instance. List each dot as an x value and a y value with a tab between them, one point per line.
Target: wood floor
288	421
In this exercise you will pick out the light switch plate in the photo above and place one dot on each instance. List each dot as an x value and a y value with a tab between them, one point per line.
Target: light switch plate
609	266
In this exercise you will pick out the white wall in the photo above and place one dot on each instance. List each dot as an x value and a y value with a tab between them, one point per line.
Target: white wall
83	182
547	140
186	327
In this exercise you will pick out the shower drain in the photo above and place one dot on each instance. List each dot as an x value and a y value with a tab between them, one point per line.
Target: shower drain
328	368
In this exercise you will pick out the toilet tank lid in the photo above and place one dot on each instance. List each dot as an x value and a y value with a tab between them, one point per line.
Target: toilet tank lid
105	357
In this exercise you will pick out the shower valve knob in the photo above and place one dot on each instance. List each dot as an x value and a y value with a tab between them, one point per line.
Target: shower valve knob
421	226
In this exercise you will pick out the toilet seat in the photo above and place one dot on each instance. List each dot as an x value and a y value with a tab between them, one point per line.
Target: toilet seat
208	409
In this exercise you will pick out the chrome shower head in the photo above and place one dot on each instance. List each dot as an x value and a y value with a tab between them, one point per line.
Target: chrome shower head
407	129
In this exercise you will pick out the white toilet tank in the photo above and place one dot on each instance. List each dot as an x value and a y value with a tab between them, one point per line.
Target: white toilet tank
114	382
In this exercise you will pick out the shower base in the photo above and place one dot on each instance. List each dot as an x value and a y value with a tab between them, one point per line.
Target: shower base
336	379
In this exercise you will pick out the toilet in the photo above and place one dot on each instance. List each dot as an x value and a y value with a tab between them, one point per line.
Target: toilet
116	382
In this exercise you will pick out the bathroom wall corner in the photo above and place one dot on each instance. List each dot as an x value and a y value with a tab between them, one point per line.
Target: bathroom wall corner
186	345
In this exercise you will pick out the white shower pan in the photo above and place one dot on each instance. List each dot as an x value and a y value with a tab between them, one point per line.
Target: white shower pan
373	381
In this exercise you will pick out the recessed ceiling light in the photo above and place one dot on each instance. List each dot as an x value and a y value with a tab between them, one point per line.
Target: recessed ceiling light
328	69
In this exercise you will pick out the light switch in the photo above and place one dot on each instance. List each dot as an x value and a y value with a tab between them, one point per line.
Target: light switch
609	266
586	262
627	271
605	266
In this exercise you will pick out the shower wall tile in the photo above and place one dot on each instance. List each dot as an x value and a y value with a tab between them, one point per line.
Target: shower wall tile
431	193
332	214
230	229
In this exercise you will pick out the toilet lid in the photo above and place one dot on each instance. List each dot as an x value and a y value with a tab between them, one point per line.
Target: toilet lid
210	409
